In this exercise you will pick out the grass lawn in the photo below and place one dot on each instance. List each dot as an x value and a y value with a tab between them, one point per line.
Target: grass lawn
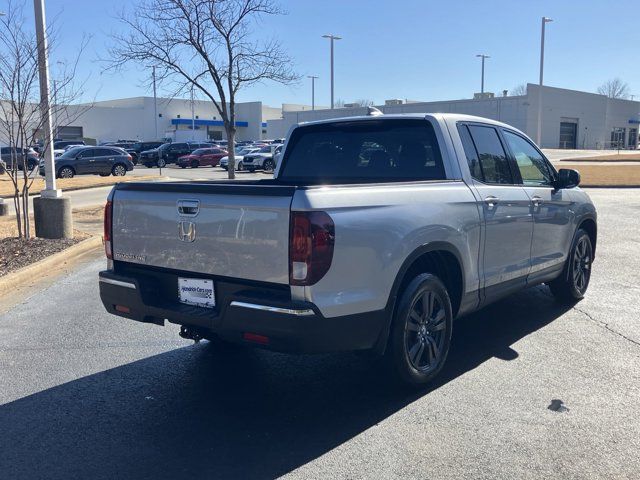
67	184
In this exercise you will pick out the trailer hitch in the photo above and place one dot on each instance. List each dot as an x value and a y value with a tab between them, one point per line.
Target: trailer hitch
191	333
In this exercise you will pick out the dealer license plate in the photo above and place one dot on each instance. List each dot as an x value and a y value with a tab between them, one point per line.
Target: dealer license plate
197	291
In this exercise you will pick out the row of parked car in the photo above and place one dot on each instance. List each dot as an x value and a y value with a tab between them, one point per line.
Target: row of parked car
117	158
249	156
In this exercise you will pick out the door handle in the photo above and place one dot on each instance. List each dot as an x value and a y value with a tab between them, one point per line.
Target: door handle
491	201
537	201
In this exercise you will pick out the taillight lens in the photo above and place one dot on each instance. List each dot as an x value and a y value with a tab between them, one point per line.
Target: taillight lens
108	224
311	240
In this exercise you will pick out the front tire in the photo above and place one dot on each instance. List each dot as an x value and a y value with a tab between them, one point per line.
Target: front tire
574	281
421	331
66	172
268	166
161	163
240	167
195	164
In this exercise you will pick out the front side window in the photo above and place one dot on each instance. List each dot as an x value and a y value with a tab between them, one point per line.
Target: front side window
492	158
531	164
364	151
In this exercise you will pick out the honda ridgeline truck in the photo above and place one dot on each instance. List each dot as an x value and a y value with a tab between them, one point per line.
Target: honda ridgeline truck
374	234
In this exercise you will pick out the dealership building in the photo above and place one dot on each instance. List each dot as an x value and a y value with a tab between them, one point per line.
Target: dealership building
140	118
570	119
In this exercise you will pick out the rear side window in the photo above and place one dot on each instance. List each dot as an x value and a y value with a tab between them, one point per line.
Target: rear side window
364	151
492	159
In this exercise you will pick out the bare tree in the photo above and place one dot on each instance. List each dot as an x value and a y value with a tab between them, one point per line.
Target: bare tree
21	118
519	90
614	88
364	102
206	45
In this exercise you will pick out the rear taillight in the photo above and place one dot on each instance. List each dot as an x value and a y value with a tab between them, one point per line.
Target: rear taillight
108	224
311	239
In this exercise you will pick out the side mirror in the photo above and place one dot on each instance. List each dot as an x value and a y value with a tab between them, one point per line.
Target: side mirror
567	178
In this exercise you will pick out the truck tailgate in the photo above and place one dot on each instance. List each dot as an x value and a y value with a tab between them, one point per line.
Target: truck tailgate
230	230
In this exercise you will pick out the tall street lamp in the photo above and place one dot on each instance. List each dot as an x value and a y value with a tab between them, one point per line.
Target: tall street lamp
545	20
51	211
313	91
155	102
332	38
483	57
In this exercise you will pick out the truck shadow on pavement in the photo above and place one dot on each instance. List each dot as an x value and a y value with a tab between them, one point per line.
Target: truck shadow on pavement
196	412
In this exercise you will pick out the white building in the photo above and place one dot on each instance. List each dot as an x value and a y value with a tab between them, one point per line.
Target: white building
135	119
570	119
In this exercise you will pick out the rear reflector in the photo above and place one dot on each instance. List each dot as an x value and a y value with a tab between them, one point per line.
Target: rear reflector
122	309
255	338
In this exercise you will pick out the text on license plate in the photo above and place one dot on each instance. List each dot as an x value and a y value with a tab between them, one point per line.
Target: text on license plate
197	291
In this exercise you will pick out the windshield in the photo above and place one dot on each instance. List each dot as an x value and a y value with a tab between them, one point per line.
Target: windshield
364	151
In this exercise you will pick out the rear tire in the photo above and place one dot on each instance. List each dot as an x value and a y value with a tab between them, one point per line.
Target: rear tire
119	170
421	331
574	281
240	167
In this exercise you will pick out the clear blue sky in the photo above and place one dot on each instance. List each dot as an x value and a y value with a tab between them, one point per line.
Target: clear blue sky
415	49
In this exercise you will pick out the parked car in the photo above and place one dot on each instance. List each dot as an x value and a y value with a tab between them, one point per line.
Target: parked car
202	157
335	253
11	154
150	158
101	161
3	167
260	160
239	155
170	152
137	148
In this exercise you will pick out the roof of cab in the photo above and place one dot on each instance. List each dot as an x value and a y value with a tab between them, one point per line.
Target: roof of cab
456	117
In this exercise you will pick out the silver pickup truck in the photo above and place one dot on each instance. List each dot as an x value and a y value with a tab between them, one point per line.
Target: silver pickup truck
374	234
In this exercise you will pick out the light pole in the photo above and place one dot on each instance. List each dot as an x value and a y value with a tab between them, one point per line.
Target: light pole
332	38
313	91
155	102
483	57
545	20
51	211
193	118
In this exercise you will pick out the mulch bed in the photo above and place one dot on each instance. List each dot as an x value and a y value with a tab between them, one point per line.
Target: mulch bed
16	253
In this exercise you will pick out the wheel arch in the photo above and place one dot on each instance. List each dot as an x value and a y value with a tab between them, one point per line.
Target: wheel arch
439	258
590	226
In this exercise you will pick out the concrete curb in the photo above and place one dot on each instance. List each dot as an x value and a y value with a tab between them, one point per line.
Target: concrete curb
25	274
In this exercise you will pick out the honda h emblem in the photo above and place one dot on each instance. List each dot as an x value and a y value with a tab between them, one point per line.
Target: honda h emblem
186	231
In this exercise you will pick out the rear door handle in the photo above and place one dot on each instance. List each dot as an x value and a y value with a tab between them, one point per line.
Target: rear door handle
491	201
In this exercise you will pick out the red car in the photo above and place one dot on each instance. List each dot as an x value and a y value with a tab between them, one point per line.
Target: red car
202	157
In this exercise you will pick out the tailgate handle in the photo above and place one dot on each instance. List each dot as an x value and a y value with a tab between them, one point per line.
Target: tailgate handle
188	207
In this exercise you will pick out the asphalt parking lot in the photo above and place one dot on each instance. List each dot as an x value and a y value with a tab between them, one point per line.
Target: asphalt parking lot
87	395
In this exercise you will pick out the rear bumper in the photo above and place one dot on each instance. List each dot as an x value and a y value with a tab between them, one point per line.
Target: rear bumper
296	327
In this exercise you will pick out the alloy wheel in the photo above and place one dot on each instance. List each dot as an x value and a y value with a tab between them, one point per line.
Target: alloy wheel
119	171
582	258
425	331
